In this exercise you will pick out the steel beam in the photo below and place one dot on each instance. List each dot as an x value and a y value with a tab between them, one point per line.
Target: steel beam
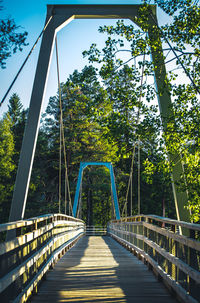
31	131
165	106
78	185
83	165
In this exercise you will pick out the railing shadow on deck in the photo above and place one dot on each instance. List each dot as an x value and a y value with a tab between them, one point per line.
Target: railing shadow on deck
96	281
76	281
80	280
38	244
63	267
173	257
135	280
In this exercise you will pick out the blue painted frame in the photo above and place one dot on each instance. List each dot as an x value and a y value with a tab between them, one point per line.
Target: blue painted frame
83	165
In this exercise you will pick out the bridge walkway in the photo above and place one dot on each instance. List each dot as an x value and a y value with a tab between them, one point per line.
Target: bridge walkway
98	269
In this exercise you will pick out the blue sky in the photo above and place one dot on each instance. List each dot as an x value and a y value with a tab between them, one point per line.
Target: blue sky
72	41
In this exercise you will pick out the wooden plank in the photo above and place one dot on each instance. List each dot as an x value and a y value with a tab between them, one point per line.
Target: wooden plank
98	269
182	293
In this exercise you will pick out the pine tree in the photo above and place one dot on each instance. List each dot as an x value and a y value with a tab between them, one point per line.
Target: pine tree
6	166
18	118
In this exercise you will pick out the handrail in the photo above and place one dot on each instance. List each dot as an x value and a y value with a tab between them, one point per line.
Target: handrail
27	222
188	225
92	230
38	244
157	241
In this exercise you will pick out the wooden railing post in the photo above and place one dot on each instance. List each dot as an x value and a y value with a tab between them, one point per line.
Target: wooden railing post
172	256
27	257
173	252
194	288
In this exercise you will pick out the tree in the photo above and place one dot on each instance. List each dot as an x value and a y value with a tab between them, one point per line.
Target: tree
18	117
133	117
14	108
181	38
104	119
10	39
84	105
96	196
182	135
11	134
6	166
43	190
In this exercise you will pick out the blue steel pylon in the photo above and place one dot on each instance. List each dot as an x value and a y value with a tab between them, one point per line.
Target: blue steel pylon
83	165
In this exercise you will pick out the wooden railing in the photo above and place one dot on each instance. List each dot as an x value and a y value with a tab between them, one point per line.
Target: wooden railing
96	230
38	244
173	257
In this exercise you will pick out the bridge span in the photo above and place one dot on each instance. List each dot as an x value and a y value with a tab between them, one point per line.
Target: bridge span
53	258
98	269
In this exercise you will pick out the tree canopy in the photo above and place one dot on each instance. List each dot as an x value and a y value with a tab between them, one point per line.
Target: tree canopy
11	39
110	114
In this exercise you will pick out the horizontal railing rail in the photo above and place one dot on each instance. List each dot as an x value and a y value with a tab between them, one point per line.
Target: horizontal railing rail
37	245
175	258
96	230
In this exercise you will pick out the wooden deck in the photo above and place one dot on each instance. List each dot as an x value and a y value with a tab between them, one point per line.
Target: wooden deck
98	269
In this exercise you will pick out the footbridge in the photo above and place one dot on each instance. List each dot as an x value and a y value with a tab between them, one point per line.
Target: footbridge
56	258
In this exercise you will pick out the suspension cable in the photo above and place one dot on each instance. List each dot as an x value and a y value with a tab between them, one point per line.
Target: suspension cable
60	147
138	119
131	193
60	170
67	188
139	176
133	155
129	181
26	59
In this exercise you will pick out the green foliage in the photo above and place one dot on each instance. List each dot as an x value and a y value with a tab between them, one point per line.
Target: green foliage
11	134
14	108
182	133
6	166
107	109
132	118
85	105
182	136
18	120
11	40
7	146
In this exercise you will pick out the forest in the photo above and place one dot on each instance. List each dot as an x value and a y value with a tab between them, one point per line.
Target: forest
108	112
